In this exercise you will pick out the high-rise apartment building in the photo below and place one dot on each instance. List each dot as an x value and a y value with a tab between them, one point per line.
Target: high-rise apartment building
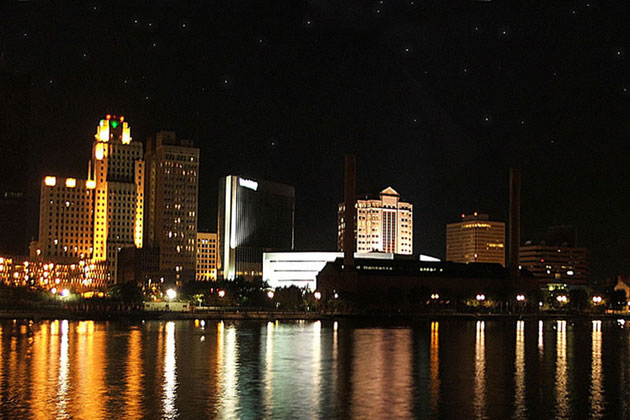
97	217
254	216
172	181
475	239
206	256
382	225
66	219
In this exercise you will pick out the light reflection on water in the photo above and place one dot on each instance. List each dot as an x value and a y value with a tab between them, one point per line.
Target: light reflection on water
342	369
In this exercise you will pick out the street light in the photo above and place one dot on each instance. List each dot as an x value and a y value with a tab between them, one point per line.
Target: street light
171	294
561	298
221	293
317	295
270	294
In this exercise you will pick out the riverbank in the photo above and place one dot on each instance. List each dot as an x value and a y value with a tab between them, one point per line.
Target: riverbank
293	315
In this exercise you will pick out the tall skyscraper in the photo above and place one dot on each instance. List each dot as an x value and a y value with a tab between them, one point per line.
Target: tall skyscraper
117	174
15	108
97	217
172	181
206	256
382	225
475	239
254	216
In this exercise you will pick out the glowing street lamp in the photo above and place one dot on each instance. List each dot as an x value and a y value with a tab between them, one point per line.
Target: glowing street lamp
270	294
317	295
221	293
171	294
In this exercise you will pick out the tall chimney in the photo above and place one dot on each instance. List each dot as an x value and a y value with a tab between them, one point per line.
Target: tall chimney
515	223
349	212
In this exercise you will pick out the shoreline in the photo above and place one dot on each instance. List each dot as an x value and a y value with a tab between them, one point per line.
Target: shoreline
293	316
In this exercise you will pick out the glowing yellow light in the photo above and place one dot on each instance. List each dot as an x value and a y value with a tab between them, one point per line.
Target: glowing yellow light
102	131
50	181
99	151
71	182
126	133
90	184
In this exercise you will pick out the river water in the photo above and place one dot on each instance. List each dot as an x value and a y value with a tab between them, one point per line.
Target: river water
453	369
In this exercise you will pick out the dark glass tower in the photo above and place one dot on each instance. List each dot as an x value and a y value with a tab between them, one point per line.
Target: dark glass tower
254	216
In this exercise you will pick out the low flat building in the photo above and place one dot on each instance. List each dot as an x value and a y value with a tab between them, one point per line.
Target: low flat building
555	264
410	277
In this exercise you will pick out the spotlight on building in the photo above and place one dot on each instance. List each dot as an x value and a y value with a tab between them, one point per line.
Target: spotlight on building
171	294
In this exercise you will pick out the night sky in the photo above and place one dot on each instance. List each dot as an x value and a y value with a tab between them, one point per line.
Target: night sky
437	98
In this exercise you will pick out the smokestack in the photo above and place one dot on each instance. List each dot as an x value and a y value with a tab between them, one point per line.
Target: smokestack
349	211
515	223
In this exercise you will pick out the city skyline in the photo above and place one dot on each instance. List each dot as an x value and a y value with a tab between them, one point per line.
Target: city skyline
282	91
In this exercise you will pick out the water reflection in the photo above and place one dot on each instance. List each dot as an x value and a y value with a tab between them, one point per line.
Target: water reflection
227	371
541	341
133	376
520	410
63	372
170	373
92	370
562	408
597	391
434	377
479	386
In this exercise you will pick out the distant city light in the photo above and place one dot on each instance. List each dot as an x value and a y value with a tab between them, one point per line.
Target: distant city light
435	296
65	293
597	299
221	293
481	297
317	295
520	298
171	294
270	294
561	298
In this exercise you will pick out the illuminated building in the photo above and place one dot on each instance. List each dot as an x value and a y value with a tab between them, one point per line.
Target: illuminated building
254	216
206	269
118	180
475	239
82	276
550	264
15	107
300	269
65	219
382	225
95	218
172	181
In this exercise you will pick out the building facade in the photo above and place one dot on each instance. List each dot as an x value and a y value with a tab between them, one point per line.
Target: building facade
254	216
475	239
382	225
551	264
206	268
95	218
172	181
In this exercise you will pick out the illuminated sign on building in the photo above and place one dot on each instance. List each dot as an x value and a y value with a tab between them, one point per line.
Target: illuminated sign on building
248	183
